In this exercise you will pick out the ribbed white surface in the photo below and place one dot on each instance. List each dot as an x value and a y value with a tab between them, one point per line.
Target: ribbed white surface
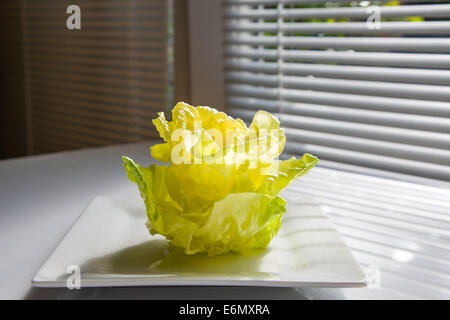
402	228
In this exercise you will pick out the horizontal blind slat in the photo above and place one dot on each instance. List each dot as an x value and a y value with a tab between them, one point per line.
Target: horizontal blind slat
376	132
414	60
441	77
100	52
404	28
357	43
407	106
371	160
397	150
94	105
95	34
408	121
49	5
426	11
138	79
386	89
112	115
106	92
303	2
48	121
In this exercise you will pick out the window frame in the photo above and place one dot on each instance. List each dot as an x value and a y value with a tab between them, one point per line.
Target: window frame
199	58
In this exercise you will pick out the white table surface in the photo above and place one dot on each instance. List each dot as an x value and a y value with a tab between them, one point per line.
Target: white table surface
401	227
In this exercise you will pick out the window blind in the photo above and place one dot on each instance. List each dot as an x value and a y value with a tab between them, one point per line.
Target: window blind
345	91
12	106
96	86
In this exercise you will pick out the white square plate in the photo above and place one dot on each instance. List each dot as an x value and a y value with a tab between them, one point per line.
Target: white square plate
112	247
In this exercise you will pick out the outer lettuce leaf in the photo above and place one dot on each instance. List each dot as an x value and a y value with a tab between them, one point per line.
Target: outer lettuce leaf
288	170
240	222
215	208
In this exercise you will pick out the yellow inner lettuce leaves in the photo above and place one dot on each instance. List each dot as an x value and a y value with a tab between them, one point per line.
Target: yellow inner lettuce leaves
219	192
203	134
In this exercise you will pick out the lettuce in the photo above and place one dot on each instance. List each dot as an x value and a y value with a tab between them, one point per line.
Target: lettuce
223	196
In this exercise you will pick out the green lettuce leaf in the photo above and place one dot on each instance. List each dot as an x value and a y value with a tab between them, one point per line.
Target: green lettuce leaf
237	222
214	209
230	205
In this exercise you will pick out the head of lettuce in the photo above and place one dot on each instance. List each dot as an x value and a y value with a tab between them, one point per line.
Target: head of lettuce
219	191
